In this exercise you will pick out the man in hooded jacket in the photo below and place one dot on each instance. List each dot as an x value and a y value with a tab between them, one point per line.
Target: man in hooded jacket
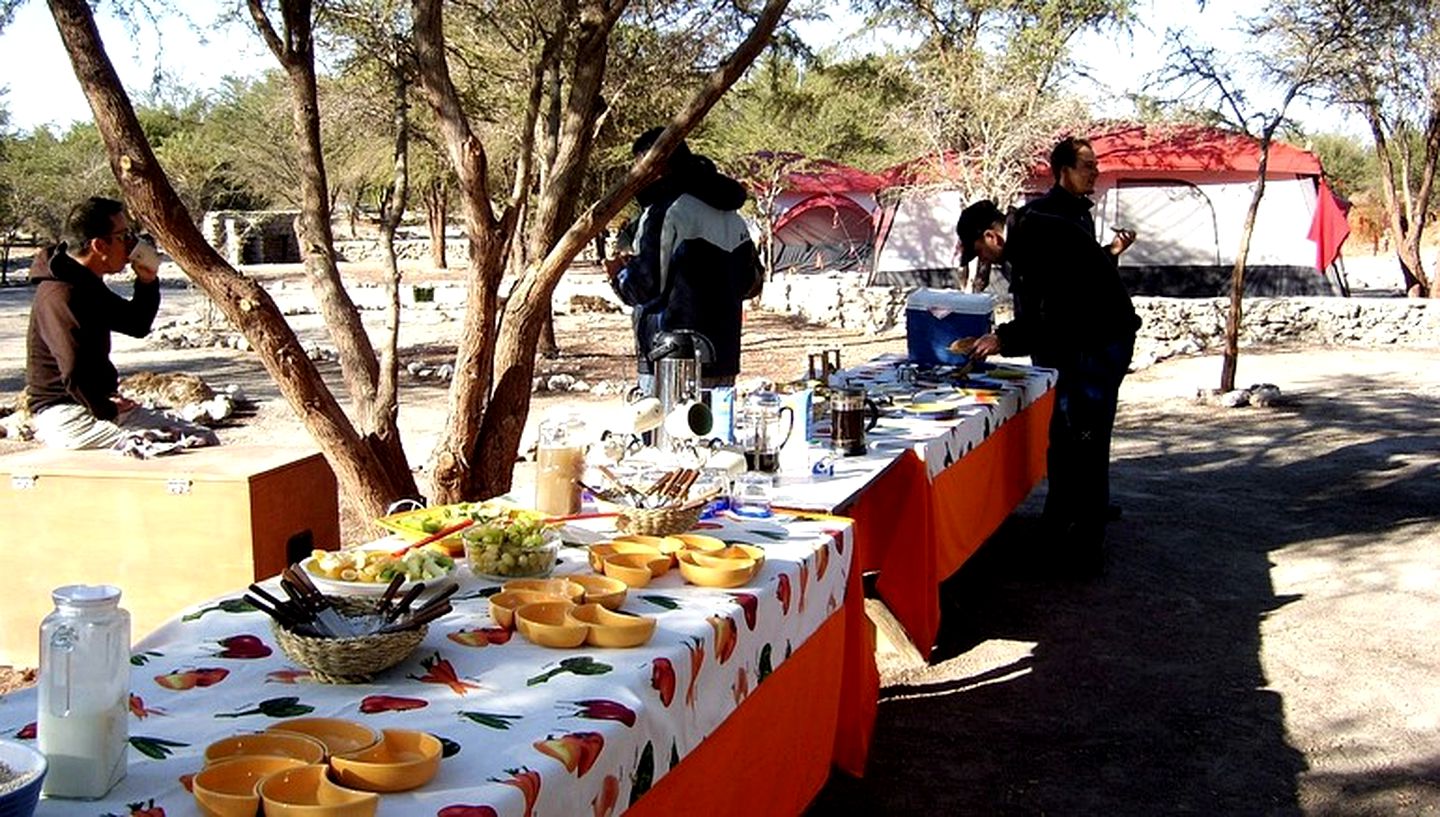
694	263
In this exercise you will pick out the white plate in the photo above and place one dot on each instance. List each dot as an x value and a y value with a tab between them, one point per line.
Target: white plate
343	588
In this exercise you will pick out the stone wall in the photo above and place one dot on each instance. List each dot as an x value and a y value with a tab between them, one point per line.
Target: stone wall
1172	326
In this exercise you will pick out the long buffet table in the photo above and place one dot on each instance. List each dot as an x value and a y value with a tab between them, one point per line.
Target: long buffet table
742	701
735	703
929	492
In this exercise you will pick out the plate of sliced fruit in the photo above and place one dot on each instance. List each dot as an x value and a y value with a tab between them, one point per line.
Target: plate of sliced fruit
368	570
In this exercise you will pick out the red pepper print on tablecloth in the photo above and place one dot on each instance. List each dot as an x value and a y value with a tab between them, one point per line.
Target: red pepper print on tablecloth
480	637
662	679
741	688
601	709
696	646
576	751
139	710
604	803
467	811
804	584
192	678
750	605
243	646
725	637
527	781
822	562
440	671
390	703
27	732
782	590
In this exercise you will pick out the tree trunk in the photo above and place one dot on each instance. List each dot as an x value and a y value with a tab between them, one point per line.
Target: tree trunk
1400	227
1237	275
437	196
365	483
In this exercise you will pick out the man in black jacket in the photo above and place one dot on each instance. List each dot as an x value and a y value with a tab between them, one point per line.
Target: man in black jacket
693	262
72	387
1074	315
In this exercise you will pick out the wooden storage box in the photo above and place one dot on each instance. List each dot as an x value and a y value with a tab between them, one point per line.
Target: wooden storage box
169	532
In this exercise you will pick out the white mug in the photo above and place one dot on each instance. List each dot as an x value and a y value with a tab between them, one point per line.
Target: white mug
689	420
145	256
728	460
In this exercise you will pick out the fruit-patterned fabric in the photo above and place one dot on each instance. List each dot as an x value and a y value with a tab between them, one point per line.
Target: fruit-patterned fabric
528	731
982	404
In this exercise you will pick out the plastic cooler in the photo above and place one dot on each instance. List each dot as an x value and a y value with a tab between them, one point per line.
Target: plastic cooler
934	318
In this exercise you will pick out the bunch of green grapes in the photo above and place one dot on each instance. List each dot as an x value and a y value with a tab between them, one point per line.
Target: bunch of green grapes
509	546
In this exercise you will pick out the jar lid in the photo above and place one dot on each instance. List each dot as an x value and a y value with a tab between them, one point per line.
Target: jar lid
86	595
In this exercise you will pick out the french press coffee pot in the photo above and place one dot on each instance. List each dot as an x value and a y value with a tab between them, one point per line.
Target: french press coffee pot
762	428
851	415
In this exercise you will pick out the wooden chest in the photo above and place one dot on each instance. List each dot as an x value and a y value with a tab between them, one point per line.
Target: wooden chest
169	532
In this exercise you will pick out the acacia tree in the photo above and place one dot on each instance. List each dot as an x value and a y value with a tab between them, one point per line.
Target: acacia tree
1201	74
1385	63
495	361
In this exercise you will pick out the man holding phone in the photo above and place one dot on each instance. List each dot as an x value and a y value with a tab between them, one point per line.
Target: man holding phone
72	387
1072	314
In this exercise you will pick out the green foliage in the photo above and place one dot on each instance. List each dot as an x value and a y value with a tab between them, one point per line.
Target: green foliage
1349	163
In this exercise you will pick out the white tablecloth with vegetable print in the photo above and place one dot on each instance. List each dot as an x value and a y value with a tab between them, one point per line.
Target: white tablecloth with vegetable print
493	698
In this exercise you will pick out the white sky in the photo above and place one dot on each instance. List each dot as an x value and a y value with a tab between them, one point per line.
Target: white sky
41	88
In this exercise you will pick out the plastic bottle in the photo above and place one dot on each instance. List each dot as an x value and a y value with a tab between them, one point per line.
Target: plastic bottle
84	691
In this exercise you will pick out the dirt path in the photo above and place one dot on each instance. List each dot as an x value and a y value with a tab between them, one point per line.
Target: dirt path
1262	643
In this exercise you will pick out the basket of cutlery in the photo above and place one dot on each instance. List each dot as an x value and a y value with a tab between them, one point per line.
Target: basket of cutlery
348	639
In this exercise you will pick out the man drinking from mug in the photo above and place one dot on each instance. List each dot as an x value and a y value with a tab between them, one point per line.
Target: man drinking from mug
73	388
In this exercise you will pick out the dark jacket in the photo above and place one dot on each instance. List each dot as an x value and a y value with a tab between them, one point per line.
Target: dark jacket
1068	293
68	346
1062	203
694	263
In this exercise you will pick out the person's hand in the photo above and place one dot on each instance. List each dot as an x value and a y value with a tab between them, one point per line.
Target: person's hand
123	404
614	264
985	346
1122	240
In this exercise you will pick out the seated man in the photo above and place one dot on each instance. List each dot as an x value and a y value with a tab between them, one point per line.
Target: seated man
72	385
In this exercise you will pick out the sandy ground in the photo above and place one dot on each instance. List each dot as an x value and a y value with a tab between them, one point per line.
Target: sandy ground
1263	640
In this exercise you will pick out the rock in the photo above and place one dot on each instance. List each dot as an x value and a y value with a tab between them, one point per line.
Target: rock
1265	395
593	303
1236	398
538	384
413	368
560	382
580	386
445	371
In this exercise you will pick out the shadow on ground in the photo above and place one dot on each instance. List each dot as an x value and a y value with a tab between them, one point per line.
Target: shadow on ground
1142	692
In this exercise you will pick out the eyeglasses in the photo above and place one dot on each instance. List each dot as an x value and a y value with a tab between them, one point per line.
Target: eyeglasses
129	235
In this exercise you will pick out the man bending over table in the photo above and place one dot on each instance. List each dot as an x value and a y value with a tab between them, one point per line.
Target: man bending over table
1072	314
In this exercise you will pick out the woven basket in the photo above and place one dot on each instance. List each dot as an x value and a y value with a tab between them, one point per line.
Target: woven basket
659	521
349	660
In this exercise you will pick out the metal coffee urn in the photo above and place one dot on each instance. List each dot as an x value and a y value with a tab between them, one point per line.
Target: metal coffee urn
677	355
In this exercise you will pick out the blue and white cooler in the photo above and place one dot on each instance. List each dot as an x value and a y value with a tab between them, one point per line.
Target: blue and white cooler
935	318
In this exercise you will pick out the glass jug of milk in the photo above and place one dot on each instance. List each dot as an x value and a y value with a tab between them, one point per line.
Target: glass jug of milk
84	691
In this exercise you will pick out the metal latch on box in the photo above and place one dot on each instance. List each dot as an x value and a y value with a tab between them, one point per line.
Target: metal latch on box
22	482
178	486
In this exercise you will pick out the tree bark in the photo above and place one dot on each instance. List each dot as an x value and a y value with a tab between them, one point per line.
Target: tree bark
1237	275
365	484
437	195
1399	226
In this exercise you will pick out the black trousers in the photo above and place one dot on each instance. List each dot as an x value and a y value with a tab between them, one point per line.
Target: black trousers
1087	395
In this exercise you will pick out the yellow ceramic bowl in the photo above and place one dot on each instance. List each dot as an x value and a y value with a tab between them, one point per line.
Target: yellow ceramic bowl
600	551
699	541
717	572
555	587
636	569
404	759
602	590
668	545
306	791
612	629
339	736
742	551
503	604
303	748
548	623
227	788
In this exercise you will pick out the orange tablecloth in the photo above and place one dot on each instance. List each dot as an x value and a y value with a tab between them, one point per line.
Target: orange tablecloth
917	532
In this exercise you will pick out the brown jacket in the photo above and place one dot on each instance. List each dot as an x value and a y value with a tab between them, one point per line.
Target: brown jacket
71	318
